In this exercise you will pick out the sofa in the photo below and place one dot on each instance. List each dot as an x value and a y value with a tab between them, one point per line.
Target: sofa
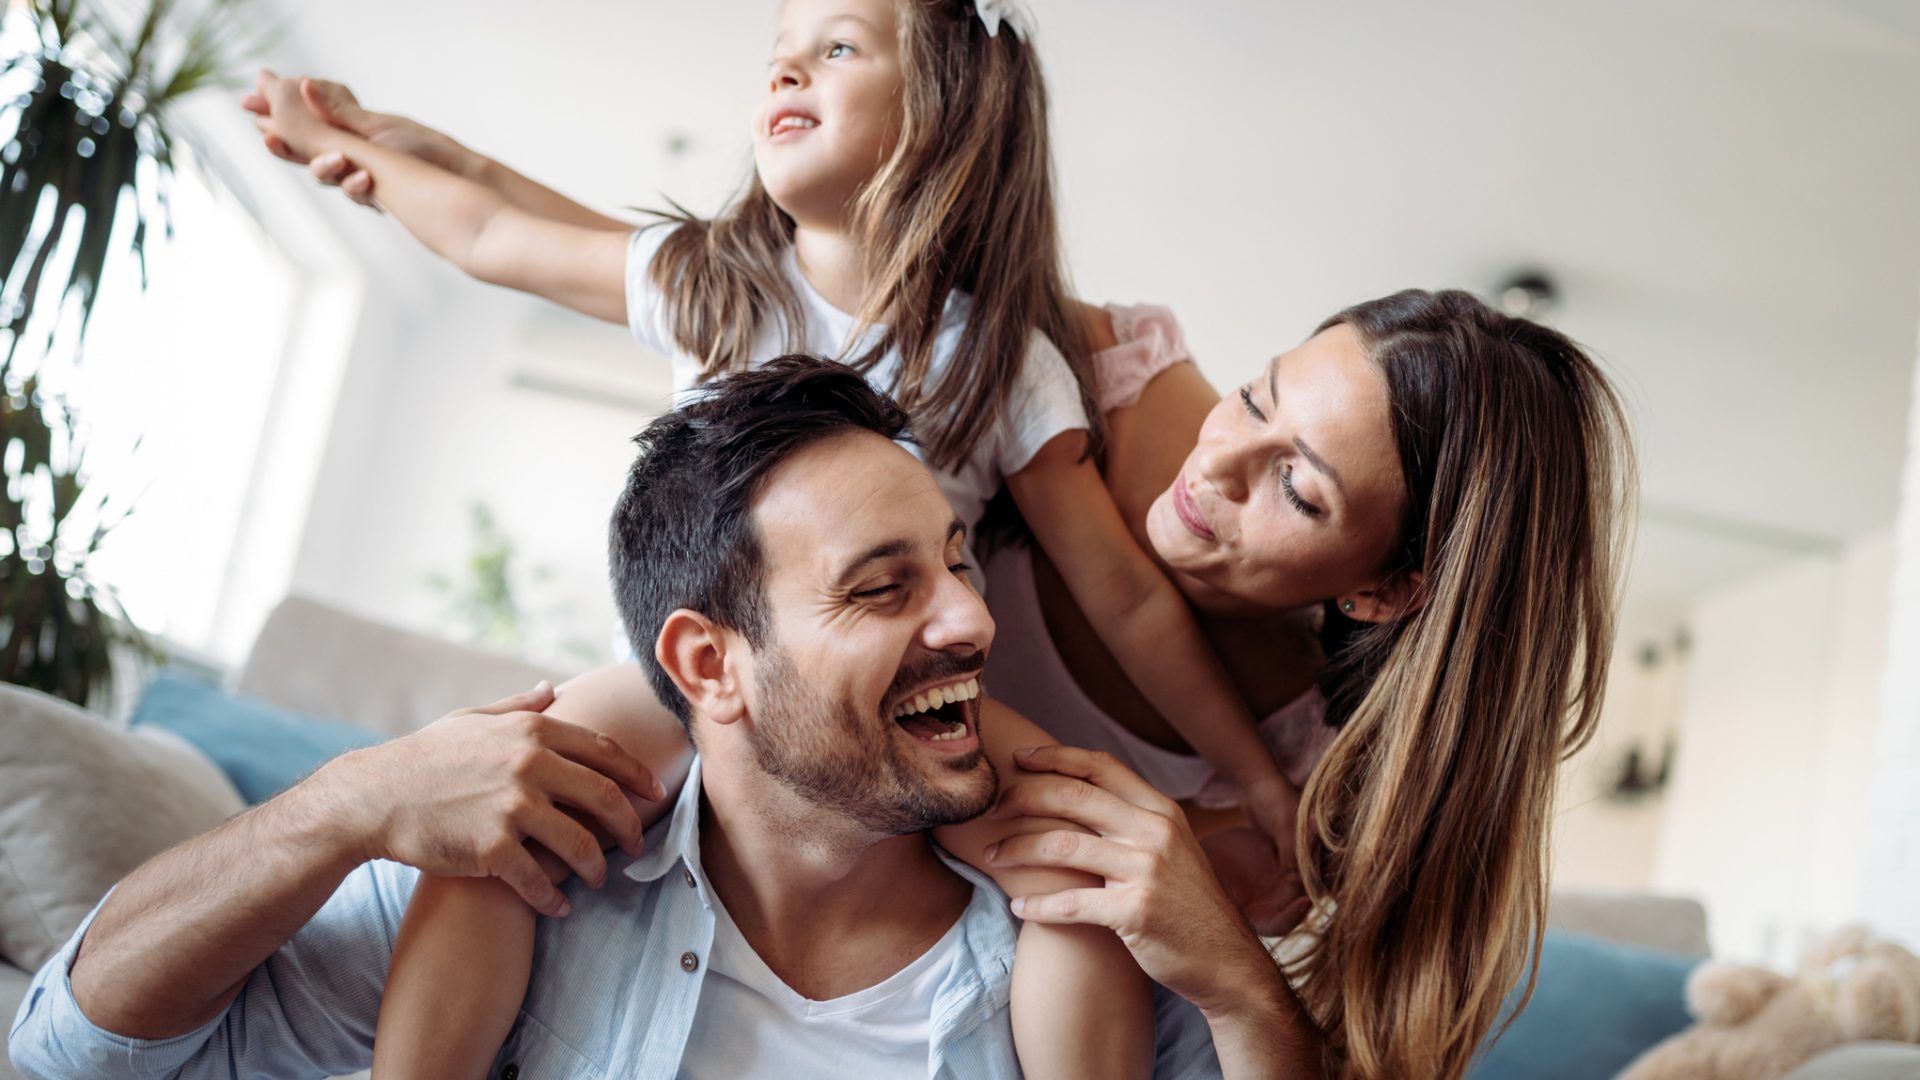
84	800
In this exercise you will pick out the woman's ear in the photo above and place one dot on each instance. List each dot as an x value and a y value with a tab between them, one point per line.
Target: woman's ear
693	650
1394	598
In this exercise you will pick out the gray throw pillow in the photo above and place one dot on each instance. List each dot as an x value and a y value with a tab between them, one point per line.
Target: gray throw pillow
83	802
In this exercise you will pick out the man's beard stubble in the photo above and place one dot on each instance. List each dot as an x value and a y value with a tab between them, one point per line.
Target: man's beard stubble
835	758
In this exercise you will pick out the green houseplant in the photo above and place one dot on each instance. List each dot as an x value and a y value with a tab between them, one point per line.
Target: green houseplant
85	112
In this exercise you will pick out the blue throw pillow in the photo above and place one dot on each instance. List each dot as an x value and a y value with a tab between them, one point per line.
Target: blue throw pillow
262	748
1598	1006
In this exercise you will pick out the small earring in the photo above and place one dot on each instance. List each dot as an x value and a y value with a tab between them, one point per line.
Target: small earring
1346	606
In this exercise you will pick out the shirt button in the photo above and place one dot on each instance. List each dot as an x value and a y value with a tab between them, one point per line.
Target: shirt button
689	963
510	1072
688	874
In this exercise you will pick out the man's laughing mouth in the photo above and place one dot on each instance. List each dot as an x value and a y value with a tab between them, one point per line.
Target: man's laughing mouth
945	713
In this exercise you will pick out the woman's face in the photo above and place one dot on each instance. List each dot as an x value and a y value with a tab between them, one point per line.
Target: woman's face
1294	493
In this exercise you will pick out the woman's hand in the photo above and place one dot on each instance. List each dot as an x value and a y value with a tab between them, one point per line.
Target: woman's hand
1160	896
334	104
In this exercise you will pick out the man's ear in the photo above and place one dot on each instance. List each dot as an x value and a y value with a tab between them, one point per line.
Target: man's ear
1395	598
693	650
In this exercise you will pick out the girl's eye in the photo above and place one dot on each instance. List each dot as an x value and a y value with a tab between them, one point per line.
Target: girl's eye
1300	504
838	49
1246	398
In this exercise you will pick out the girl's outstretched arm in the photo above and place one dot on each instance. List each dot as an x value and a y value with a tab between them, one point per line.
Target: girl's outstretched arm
336	104
448	1005
471	225
1144	620
1081	1006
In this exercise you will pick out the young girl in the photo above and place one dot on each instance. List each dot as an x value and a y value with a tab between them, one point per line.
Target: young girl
899	217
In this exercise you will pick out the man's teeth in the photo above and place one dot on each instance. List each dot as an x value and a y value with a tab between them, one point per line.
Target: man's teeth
938	696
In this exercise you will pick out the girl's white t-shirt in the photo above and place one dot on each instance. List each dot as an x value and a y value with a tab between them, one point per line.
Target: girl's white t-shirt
749	1023
1045	400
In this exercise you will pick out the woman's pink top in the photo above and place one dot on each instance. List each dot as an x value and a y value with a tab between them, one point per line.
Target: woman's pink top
1025	671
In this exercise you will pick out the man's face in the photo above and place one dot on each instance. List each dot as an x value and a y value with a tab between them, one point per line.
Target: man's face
865	695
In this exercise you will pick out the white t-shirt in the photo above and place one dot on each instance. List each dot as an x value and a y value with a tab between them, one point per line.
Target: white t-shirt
750	1024
1044	403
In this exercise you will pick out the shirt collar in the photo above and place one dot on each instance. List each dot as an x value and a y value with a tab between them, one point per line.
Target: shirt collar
680	841
994	928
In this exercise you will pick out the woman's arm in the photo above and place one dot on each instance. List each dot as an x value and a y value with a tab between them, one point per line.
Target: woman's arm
1081	1006
471	225
1146	623
1163	901
449	1006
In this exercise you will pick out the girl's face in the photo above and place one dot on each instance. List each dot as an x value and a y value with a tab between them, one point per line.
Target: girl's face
832	111
1293	494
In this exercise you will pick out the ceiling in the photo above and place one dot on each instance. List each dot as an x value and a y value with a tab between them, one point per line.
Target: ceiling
1727	193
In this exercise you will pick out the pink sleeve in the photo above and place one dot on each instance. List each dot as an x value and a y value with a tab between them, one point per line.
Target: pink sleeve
1149	343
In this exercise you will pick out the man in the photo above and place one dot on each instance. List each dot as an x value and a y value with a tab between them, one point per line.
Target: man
799	575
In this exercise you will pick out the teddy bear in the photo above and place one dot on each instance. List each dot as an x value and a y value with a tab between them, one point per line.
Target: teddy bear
1757	1024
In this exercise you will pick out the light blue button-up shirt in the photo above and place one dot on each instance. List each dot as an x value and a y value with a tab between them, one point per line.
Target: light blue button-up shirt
613	990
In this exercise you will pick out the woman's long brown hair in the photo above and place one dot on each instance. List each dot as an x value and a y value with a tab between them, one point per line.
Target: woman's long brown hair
1424	830
964	204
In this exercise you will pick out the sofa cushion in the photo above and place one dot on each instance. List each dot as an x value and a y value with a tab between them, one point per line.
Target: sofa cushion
1598	1004
262	748
1863	1061
82	803
323	661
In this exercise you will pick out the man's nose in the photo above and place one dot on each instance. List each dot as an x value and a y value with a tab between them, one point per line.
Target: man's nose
957	618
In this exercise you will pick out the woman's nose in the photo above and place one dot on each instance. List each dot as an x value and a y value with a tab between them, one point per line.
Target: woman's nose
1222	466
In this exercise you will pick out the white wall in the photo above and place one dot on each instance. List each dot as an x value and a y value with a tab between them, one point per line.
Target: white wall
432	420
1767	811
1892	843
1608	843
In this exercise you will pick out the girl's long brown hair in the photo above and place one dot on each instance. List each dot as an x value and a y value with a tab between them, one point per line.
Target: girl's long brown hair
1424	830
965	203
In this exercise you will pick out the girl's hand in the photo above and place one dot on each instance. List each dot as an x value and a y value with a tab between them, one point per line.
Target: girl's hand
1160	895
337	106
293	130
1267	887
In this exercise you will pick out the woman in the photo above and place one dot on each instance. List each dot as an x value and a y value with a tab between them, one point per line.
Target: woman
1433	491
1443	489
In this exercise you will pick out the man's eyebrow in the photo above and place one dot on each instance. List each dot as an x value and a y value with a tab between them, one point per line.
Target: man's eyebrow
1320	463
888	549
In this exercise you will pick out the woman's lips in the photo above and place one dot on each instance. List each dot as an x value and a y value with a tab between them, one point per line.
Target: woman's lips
1188	511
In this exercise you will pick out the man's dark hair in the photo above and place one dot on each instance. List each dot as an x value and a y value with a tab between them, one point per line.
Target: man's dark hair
682	534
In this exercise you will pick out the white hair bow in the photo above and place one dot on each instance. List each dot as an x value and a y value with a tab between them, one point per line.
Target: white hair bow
1010	12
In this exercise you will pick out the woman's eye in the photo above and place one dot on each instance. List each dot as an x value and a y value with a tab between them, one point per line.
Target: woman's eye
959	568
1246	399
1293	496
839	49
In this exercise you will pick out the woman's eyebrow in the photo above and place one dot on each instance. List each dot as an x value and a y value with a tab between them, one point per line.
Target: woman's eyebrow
1319	463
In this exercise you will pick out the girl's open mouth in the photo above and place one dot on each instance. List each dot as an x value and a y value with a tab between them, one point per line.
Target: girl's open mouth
790	123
